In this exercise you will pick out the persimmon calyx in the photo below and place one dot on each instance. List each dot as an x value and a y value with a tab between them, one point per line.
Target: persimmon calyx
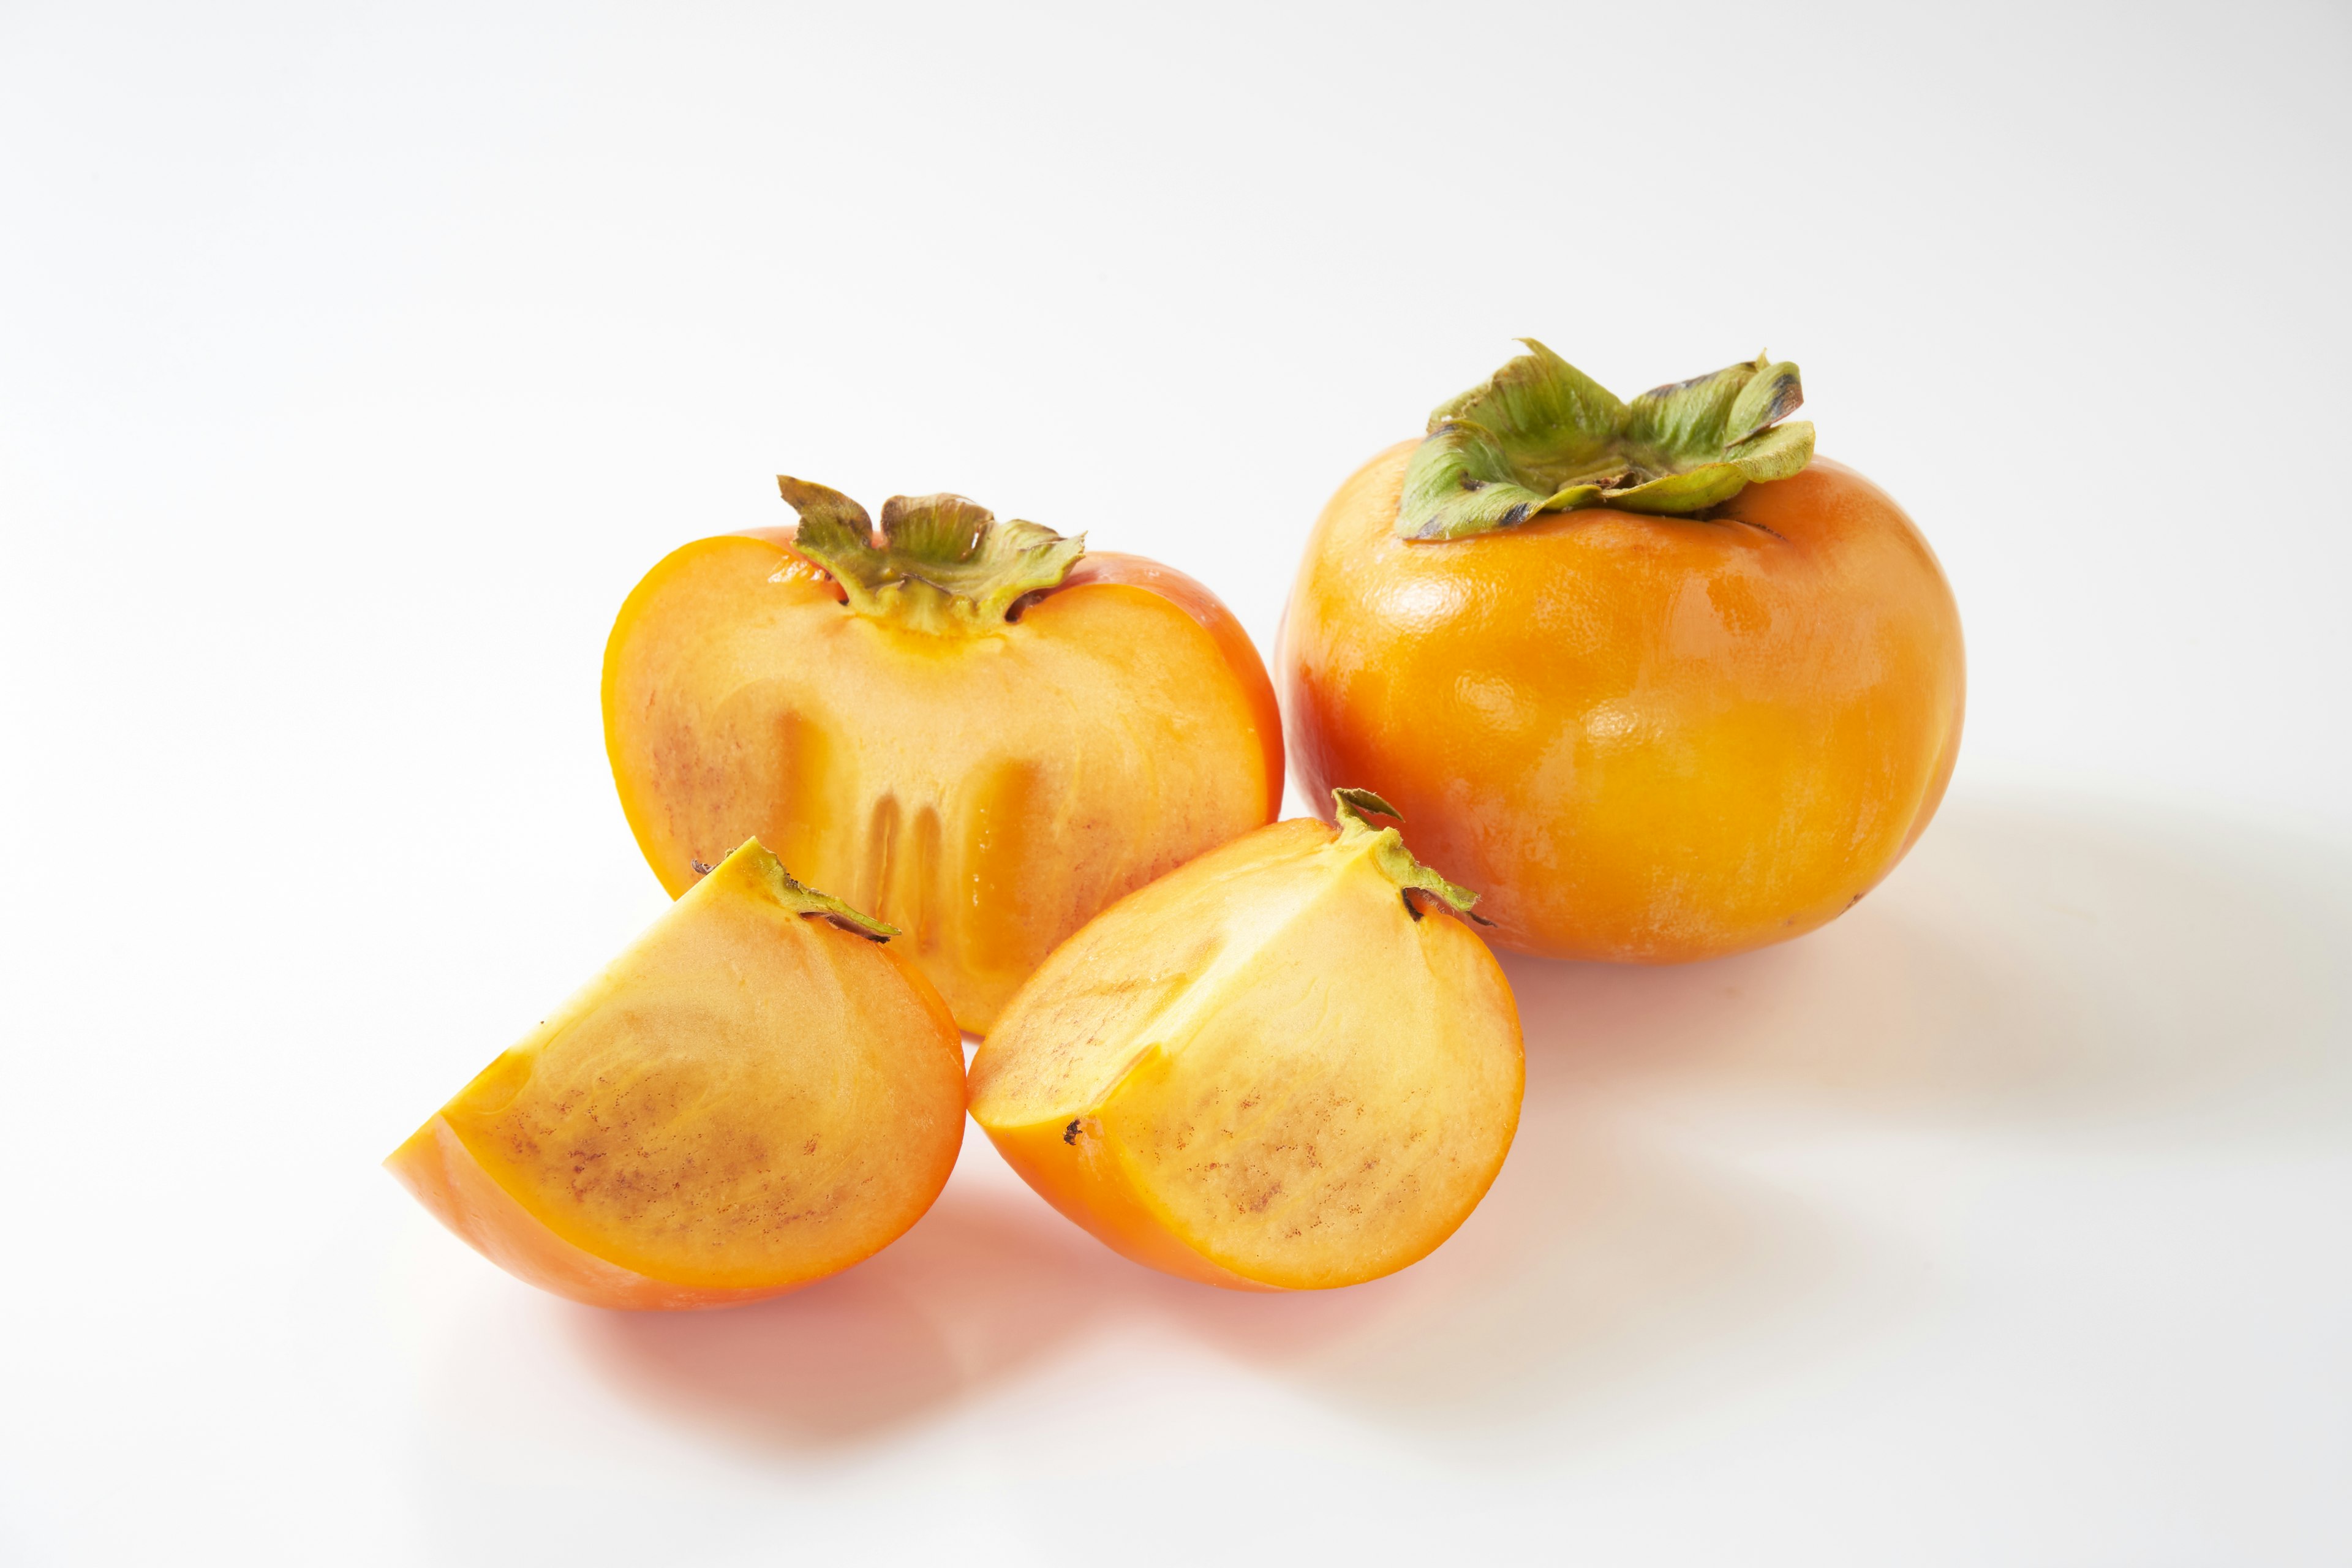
1541	436
944	563
1394	860
754	863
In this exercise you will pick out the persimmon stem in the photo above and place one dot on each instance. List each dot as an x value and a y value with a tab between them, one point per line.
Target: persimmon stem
761	866
1395	861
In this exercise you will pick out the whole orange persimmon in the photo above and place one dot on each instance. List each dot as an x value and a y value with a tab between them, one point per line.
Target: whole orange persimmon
973	730
1657	680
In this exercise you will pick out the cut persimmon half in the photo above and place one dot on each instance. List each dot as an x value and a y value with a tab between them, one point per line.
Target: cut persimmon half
970	728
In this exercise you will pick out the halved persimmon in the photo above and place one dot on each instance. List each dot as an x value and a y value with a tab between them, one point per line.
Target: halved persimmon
1285	1065
756	1094
1657	681
963	726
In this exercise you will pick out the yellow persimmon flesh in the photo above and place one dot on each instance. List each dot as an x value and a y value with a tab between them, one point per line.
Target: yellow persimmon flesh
985	790
1273	1068
754	1095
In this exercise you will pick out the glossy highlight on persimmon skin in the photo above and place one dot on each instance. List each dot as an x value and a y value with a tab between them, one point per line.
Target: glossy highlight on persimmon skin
1643	738
748	1099
987	793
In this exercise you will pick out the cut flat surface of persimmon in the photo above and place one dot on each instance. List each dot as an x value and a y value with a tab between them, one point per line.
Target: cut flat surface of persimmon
966	727
756	1094
1285	1065
1657	680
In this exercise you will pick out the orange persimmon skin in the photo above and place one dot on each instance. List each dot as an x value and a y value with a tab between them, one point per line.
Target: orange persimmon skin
1642	739
987	793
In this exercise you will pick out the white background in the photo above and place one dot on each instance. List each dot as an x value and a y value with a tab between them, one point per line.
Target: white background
354	361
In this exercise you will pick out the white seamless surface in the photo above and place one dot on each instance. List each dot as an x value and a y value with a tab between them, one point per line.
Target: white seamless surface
356	362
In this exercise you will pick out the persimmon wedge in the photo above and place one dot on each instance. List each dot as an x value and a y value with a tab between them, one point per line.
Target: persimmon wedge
756	1094
1658	681
969	728
1289	1065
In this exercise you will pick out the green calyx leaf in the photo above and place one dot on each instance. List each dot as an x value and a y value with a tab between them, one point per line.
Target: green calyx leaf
754	862
1389	853
1541	436
944	564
